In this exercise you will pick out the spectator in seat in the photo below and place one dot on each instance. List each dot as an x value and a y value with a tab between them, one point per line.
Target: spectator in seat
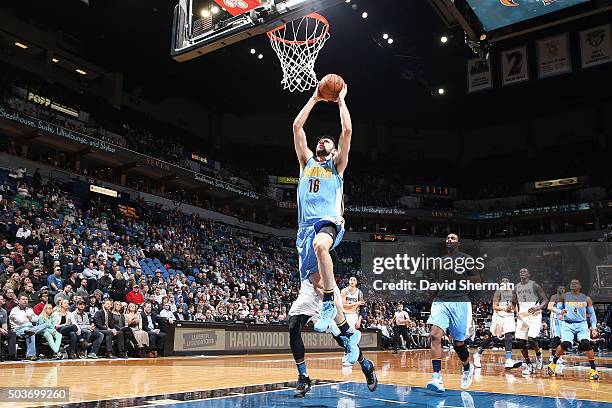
134	322
28	291
6	334
65	294
73	281
82	289
38	279
151	326
93	306
119	321
55	281
23	321
105	282
15	283
47	323
92	275
105	323
118	288
155	307
64	324
43	299
88	330
208	316
167	314
180	313
10	301
134	296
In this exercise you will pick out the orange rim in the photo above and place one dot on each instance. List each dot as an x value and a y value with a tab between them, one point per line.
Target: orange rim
272	34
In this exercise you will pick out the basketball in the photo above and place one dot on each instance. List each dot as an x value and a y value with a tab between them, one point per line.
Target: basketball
330	87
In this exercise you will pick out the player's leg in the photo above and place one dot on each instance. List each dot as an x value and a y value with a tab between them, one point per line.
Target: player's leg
367	367
436	384
486	342
439	321
296	324
510	363
584	338
590	353
554	343
460	328
567	337
323	242
522	329
533	336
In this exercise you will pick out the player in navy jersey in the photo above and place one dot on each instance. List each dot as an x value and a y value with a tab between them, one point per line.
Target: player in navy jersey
320	210
576	309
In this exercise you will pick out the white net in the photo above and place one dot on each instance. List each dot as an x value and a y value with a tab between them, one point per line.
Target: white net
297	45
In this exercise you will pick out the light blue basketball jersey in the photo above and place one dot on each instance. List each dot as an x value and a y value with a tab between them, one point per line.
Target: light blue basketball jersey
576	306
320	192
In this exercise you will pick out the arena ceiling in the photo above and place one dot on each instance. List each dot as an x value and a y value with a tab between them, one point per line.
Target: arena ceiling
398	81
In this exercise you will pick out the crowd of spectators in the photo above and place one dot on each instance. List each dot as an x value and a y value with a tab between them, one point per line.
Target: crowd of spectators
87	278
367	185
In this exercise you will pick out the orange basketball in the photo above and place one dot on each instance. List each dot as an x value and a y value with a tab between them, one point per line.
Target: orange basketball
330	87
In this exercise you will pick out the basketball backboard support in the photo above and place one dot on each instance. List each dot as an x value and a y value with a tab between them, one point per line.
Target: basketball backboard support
202	26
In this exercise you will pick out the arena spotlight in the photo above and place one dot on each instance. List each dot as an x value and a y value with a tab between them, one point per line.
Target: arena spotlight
441	91
390	41
214	9
54	60
364	14
21	45
80	71
347	1
253	51
260	56
385	36
444	39
205	12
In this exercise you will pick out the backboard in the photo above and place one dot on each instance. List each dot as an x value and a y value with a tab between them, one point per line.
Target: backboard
202	26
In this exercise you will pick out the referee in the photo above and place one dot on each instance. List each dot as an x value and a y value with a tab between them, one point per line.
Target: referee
401	320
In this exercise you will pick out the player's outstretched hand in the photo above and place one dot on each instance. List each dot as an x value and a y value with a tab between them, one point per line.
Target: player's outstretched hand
342	93
316	96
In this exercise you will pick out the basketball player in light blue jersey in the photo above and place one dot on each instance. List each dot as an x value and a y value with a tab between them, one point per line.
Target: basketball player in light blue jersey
573	307
320	209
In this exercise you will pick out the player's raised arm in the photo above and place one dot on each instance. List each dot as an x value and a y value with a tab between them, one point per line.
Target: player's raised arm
344	145
299	136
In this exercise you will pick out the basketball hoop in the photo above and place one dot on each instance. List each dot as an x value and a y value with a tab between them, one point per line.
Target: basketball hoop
297	45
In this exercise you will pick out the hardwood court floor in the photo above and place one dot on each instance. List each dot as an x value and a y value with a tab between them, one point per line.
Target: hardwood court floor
96	380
